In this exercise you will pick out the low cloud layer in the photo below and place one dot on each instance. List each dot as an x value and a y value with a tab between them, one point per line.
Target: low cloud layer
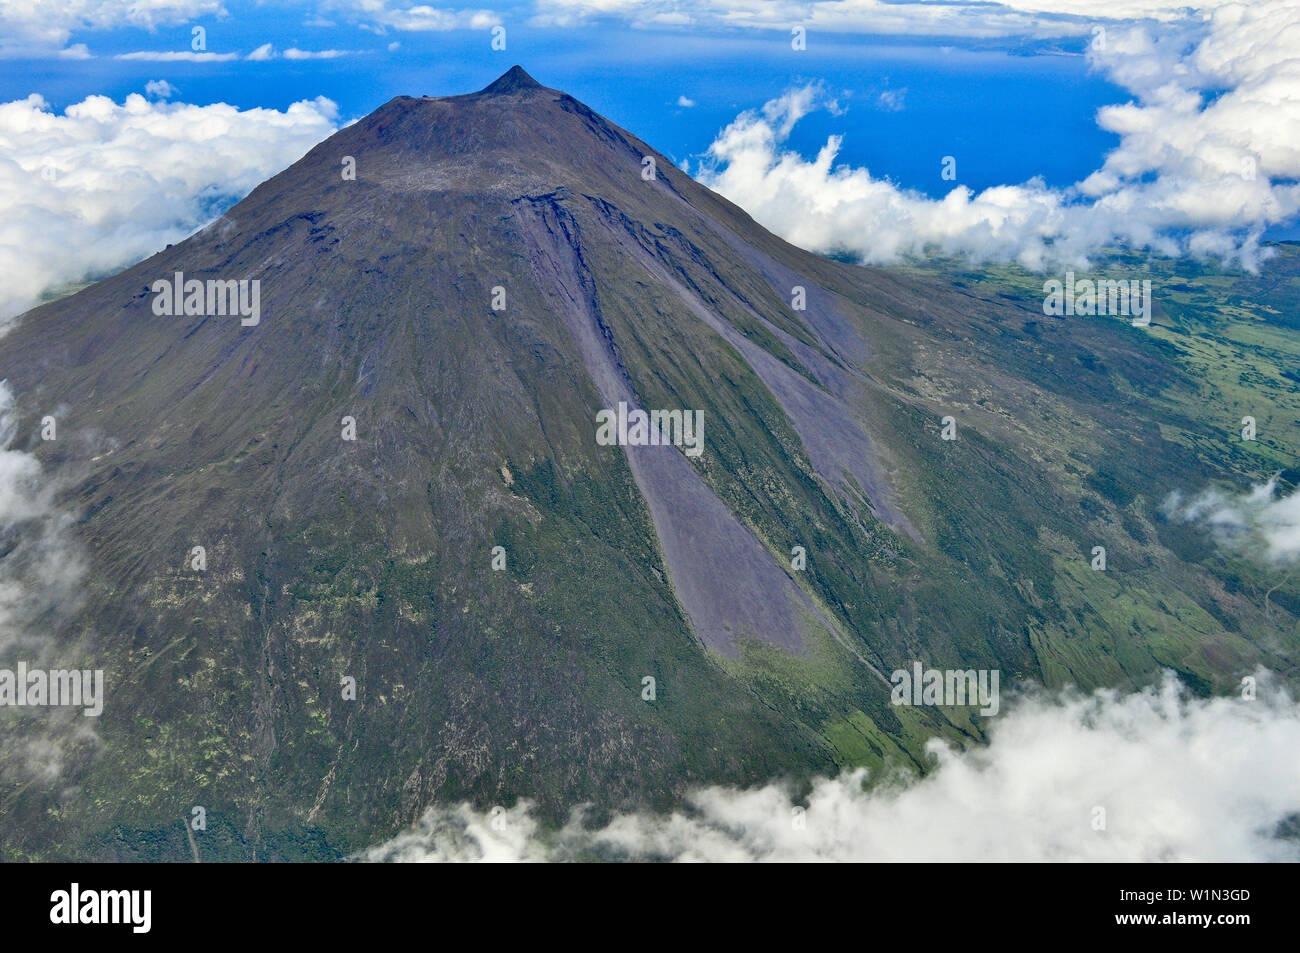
41	569
969	18
102	185
41	573
1166	778
1209	157
1263	523
43	27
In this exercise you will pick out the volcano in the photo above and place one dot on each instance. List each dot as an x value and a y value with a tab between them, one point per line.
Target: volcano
353	548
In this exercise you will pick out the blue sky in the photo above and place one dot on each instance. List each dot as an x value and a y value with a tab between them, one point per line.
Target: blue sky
909	101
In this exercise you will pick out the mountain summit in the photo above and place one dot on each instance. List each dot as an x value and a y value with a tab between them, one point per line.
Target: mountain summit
511	81
373	519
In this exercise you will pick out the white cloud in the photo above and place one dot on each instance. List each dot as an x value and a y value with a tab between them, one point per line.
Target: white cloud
177	56
416	18
33	25
967	18
37	27
293	53
41	575
268	52
159	89
41	568
892	100
685	102
1208	158
1262	523
103	185
1179	779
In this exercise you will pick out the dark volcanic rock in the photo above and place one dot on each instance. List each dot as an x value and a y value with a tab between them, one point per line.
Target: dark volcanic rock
373	559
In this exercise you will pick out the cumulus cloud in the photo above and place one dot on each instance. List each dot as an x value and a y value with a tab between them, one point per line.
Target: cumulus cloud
159	89
102	185
824	206
685	101
1263	522
1165	777
1209	157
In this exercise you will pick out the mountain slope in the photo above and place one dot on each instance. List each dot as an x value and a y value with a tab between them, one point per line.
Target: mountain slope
475	428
